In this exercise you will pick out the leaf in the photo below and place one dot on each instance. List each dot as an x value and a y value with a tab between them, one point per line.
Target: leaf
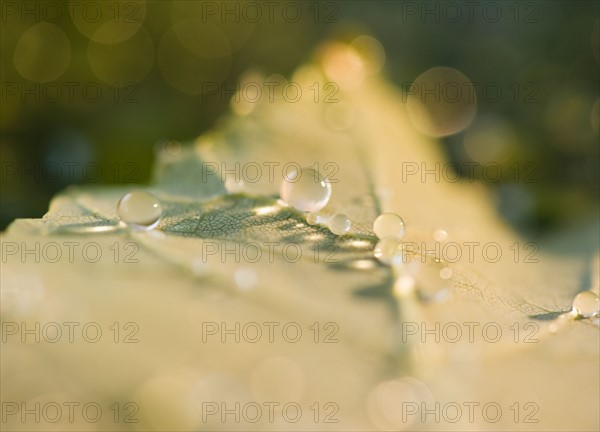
197	268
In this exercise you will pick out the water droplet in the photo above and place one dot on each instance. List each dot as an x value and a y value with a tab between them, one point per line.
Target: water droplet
388	250
305	190
314	219
389	225
140	210
339	224
586	304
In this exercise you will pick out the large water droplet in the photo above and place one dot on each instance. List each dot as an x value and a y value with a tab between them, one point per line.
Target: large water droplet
339	224
389	225
586	304
305	190
140	210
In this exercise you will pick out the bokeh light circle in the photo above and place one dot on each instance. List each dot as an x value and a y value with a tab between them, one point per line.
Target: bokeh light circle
442	101
43	53
108	22
236	29
125	62
371	52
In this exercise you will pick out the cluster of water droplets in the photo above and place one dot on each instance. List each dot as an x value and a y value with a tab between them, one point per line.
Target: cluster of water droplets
307	191
423	274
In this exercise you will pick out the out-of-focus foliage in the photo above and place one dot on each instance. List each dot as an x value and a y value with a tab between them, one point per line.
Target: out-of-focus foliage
542	55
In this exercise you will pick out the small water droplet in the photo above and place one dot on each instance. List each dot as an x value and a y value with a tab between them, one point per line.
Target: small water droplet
388	250
389	225
314	219
586	304
305	190
339	224
139	210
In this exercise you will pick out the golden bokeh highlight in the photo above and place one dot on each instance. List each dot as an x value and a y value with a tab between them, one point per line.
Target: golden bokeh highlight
43	53
108	22
343	65
441	102
349	64
203	39
237	31
386	403
371	52
125	62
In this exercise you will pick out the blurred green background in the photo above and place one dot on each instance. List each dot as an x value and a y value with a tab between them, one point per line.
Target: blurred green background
94	87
